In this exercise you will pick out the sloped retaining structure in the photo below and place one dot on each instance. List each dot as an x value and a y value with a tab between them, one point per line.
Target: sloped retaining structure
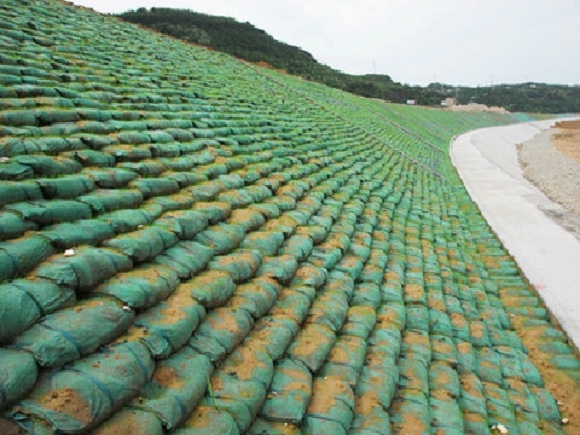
198	246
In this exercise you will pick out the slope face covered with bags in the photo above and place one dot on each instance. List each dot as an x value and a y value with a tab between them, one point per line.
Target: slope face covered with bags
194	245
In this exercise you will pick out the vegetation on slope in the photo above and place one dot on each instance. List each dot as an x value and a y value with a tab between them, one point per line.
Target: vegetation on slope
199	245
245	41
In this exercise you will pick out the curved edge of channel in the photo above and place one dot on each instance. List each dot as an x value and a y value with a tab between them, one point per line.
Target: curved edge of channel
547	254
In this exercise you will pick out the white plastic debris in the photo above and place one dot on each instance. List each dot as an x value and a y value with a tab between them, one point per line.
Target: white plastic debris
500	428
565	420
69	253
4	159
126	308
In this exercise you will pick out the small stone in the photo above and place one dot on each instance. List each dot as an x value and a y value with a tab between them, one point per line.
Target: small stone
560	403
565	421
69	253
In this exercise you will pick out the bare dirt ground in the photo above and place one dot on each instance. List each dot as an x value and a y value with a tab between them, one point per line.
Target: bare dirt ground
567	139
551	161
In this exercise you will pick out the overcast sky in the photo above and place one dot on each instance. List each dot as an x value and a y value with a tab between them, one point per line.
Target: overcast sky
459	42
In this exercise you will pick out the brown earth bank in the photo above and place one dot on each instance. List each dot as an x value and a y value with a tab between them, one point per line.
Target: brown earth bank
566	138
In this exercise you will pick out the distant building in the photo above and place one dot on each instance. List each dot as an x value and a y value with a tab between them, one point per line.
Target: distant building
449	101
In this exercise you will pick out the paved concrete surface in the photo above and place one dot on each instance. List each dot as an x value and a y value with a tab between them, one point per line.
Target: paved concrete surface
518	212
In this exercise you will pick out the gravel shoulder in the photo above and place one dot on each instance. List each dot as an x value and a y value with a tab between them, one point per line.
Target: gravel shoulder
548	162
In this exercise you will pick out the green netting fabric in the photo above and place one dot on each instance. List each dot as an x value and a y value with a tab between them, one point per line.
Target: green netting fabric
192	244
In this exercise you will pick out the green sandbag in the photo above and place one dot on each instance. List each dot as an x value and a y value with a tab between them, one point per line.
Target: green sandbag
132	421
380	380
247	218
488	366
257	296
214	211
297	246
241	264
360	321
18	373
47	212
267	242
110	178
282	268
85	268
186	258
370	418
170	323
446	415
143	245
290	392
274	333
471	398
444	378
499	406
12	171
102	200
417	318
124	221
35	298
142	287
410	409
47	166
207	419
294	303
547	404
302	350
66	187
211	288
92	157
236	198
72	332
366	294
221	237
240	399
150	187
13	322
309	275
331	408
185	223
346	359
329	309
177	385
81	232
78	398
220	332
19	256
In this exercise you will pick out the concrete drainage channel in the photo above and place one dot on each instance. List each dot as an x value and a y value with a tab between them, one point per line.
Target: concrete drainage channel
518	212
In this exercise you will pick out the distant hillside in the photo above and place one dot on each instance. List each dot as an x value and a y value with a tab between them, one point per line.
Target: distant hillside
523	97
247	42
